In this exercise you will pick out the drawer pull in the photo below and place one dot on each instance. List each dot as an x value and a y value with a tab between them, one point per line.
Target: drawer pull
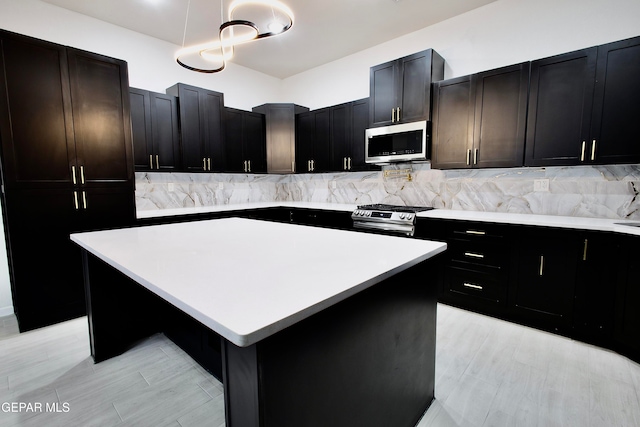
478	233
472	286
541	272
473	255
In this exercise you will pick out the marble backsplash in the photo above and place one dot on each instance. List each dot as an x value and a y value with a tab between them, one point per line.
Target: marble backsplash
582	191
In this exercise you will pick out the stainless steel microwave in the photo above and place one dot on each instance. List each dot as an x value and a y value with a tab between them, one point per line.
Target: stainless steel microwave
396	143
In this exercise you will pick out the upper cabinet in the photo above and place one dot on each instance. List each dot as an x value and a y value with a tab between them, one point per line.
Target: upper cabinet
479	120
200	112
583	106
281	132
313	139
244	141
65	115
154	124
400	90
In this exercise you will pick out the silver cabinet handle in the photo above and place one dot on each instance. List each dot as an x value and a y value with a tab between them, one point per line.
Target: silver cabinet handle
245	166
349	163
478	233
313	165
541	265
469	285
73	174
393	115
475	156
204	164
584	146
81	174
84	200
398	115
249	163
468	157
293	166
151	161
308	165
157	163
209	163
75	199
473	255
344	163
593	150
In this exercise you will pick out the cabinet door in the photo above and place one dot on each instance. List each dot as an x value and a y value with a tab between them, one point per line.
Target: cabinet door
101	117
616	109
164	131
141	129
359	123
212	104
560	103
305	128
453	119
106	207
543	289
595	293
383	80
340	137
415	87
233	140
46	268
254	142
500	116
322	141
191	128
36	125
627	315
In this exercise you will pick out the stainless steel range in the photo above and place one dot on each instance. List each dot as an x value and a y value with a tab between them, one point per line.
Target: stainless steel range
388	218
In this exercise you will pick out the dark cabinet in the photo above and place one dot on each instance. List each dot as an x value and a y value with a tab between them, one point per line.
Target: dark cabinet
583	105
313	139
281	134
348	124
400	90
67	166
154	125
594	298
627	315
200	112
244	140
479	120
542	288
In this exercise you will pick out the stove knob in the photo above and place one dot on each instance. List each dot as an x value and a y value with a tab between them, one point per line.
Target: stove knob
409	216
368	213
401	216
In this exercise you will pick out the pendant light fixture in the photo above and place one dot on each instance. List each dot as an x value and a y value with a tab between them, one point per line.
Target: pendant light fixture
211	57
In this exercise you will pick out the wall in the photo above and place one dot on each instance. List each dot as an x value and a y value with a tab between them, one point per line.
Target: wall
501	33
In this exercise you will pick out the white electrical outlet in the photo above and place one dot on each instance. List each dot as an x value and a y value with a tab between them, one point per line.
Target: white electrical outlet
541	184
170	187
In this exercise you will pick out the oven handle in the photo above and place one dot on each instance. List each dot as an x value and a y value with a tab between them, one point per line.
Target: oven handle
405	230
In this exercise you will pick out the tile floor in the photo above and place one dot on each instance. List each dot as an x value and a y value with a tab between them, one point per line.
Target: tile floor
488	373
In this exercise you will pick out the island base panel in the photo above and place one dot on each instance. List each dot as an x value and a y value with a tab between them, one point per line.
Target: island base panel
368	360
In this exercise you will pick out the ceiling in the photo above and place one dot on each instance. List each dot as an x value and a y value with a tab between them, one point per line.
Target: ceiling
323	30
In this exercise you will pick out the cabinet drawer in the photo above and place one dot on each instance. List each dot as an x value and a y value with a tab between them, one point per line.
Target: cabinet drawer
476	284
478	253
478	232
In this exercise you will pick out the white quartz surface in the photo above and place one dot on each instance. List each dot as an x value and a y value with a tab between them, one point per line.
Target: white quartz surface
247	279
578	223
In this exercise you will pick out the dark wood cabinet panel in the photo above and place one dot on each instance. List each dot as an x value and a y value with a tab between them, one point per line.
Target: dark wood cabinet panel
400	90
542	290
627	315
560	103
141	129
313	139
244	141
101	117
501	115
200	112
36	126
479	120
281	134
341	137
453	119
616	105
359	124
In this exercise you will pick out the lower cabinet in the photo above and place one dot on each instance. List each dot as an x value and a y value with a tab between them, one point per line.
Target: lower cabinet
543	284
627	299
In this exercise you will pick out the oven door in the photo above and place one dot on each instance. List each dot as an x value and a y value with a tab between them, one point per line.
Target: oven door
386	227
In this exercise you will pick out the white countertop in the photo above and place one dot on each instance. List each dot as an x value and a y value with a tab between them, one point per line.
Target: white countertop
247	279
579	223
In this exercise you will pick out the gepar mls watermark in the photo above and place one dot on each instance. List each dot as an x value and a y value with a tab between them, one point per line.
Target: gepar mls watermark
35	407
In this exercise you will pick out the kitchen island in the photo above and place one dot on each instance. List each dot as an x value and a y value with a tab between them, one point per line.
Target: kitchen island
313	326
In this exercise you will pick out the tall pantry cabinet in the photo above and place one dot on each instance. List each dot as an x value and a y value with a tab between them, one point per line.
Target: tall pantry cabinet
67	167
